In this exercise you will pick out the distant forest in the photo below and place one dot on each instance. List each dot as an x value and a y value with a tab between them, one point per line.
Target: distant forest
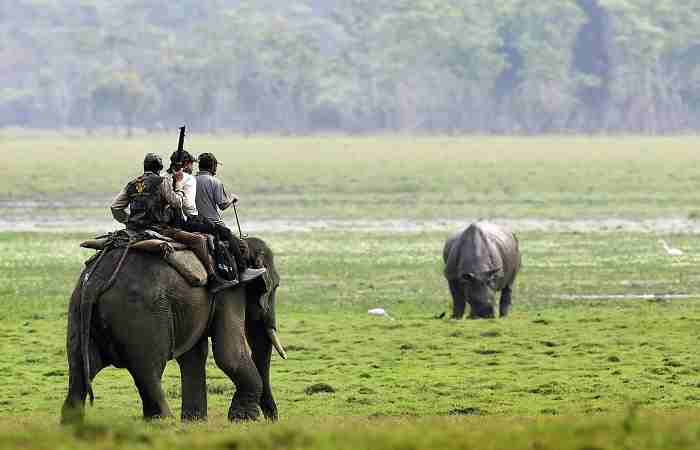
352	66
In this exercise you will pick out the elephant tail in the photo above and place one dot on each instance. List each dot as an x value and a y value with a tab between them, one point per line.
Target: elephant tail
89	296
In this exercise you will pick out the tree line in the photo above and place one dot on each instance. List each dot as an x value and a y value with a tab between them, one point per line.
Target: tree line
353	66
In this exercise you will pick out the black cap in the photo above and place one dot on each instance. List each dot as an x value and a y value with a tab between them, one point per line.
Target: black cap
186	157
208	160
152	163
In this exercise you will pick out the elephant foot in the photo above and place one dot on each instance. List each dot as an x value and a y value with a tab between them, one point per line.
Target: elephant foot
243	409
154	417
269	410
72	415
193	416
240	414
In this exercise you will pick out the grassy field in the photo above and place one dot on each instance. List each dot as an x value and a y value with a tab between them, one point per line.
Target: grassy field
558	374
562	372
388	177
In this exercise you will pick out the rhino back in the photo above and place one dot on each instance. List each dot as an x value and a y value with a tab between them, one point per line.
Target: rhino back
506	244
480	248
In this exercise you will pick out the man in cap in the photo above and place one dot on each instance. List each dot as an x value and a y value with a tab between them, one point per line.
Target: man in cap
148	198
211	199
188	186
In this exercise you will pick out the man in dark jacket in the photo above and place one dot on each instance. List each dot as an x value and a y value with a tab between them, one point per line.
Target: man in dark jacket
151	202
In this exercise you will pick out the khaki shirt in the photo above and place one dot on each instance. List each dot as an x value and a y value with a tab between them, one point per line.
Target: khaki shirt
172	198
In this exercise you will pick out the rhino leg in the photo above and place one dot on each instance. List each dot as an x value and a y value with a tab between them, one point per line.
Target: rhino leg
459	301
504	305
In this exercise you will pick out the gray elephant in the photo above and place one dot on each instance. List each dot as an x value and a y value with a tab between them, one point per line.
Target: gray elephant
479	260
149	314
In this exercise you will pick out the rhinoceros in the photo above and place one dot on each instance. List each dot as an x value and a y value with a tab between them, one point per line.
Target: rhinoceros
478	261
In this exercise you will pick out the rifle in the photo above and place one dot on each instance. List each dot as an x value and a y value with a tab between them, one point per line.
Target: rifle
177	164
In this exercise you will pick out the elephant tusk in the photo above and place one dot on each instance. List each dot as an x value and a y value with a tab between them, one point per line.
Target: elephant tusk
276	342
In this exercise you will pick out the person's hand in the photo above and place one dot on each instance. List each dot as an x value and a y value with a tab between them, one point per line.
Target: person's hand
234	199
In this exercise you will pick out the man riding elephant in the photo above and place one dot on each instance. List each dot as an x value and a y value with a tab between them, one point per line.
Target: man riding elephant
151	203
211	199
181	162
190	220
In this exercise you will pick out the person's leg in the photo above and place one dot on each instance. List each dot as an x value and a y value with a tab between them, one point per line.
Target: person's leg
198	224
198	244
234	246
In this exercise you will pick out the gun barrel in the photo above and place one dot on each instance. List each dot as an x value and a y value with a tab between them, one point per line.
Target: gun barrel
181	142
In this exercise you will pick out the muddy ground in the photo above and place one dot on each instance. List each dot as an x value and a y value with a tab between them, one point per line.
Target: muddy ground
45	222
91	215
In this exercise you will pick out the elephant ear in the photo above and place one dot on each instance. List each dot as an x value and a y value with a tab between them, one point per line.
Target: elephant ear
258	291
260	255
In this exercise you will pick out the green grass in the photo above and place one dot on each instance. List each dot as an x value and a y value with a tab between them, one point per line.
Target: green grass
388	177
619	431
557	374
415	382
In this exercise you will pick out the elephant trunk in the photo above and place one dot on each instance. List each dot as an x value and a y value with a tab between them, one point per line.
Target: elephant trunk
272	334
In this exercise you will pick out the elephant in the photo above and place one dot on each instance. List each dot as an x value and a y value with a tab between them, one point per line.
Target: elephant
479	260
148	314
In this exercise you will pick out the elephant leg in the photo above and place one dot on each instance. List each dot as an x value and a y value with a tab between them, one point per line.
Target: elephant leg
459	302
506	297
261	348
194	381
233	356
147	378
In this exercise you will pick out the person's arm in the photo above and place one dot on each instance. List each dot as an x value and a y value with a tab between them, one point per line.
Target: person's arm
222	198
119	205
172	197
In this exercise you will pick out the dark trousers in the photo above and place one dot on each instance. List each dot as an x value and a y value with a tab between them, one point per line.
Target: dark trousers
199	224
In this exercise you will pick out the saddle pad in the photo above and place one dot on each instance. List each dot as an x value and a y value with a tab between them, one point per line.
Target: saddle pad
189	266
157	246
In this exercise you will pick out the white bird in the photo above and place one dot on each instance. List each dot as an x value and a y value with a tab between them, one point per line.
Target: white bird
379	312
671	251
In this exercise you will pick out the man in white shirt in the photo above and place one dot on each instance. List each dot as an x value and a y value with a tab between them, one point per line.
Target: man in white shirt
147	199
188	186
